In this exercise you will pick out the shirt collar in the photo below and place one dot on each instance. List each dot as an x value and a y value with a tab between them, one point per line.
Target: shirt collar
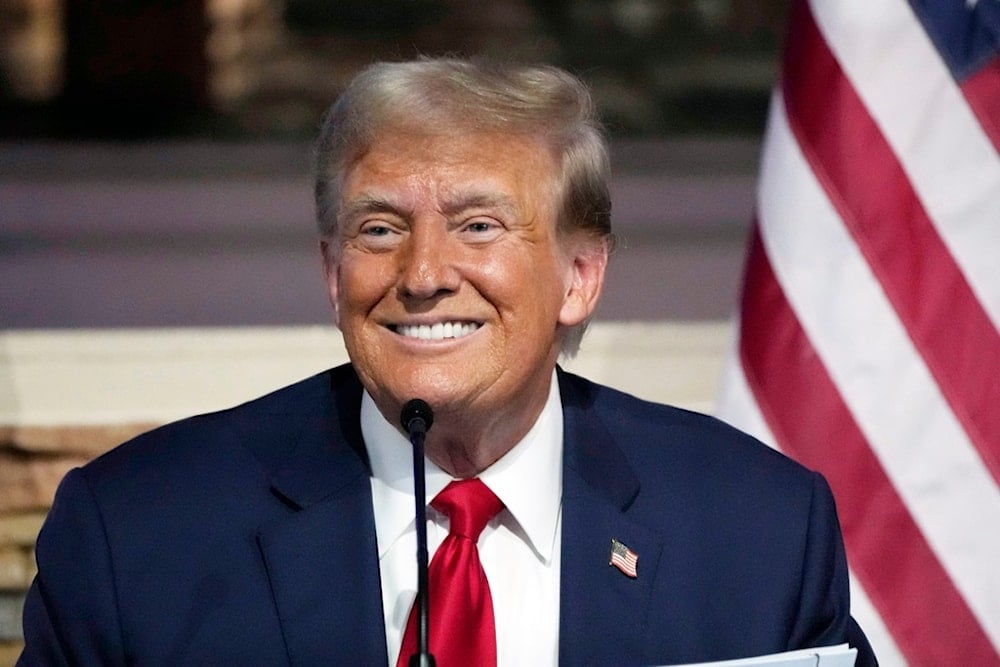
528	479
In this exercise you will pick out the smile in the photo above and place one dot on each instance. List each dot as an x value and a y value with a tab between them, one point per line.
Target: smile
437	331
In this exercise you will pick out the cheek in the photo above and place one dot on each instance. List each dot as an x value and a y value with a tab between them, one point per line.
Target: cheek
528	288
362	282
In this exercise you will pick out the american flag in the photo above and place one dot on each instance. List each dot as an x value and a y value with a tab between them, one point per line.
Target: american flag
624	558
868	343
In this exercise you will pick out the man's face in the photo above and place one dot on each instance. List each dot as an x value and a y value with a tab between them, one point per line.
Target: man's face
447	275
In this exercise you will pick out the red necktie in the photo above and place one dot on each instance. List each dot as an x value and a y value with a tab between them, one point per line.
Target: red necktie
462	630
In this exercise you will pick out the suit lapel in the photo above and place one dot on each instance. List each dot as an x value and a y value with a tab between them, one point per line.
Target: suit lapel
322	558
602	611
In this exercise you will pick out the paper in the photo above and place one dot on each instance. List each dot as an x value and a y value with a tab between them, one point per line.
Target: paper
822	656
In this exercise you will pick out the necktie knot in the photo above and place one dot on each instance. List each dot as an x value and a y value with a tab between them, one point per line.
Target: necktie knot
469	505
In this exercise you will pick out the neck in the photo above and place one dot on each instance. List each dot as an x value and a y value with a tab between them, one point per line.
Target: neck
468	438
464	447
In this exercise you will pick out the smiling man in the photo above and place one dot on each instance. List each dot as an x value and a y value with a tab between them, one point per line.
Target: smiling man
465	230
451	283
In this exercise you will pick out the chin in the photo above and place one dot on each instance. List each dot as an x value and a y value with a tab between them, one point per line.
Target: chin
438	394
436	385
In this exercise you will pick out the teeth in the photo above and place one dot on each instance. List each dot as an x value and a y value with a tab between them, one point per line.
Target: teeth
437	331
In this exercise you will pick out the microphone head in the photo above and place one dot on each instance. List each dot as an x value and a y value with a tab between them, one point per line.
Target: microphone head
417	416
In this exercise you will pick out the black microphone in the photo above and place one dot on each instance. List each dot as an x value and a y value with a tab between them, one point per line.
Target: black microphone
417	418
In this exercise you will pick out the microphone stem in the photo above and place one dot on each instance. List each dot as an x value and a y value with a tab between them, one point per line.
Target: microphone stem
423	656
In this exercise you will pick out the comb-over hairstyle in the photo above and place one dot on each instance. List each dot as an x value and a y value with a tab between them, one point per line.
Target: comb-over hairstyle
452	96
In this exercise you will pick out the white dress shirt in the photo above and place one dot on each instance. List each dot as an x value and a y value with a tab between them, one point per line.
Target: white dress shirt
519	548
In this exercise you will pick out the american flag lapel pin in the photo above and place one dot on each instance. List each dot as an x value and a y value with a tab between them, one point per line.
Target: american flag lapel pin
623	558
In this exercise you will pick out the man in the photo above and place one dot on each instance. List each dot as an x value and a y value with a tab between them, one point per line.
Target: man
465	230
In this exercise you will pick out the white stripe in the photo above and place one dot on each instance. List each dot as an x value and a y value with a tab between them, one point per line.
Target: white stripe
736	403
882	379
864	613
910	93
738	406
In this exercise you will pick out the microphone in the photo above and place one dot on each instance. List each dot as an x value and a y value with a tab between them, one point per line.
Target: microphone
417	418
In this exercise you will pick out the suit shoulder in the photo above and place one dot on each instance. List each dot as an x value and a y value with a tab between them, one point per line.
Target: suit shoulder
262	428
654	434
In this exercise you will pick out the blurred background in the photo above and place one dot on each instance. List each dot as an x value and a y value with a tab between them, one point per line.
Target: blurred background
252	69
155	155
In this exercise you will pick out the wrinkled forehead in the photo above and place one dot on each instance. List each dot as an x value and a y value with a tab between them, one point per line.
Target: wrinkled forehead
448	129
456	166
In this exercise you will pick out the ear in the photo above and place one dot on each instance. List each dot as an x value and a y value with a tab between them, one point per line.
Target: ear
588	264
331	271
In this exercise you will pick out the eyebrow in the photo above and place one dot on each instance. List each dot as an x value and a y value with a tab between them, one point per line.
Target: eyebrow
371	204
452	205
463	201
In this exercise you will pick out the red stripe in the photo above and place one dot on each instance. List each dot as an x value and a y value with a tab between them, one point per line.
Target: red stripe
931	622
867	185
982	90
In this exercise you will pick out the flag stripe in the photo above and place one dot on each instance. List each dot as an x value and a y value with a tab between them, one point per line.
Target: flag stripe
916	104
982	90
939	310
884	382
913	594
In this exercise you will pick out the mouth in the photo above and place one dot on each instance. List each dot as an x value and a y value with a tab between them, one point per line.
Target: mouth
436	331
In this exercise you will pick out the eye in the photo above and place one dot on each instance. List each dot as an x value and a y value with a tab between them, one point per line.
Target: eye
480	230
375	229
378	235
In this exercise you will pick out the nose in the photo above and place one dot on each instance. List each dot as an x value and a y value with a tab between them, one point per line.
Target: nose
427	269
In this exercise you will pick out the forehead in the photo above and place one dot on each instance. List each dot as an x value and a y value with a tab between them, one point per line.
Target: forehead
479	164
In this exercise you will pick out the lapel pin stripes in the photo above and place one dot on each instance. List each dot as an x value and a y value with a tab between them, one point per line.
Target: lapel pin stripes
623	558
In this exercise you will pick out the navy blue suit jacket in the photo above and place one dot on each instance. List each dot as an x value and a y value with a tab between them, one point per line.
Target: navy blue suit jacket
247	537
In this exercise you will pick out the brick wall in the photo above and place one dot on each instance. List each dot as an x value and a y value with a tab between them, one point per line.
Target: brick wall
33	460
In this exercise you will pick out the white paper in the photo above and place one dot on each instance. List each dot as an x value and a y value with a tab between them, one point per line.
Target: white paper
822	656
